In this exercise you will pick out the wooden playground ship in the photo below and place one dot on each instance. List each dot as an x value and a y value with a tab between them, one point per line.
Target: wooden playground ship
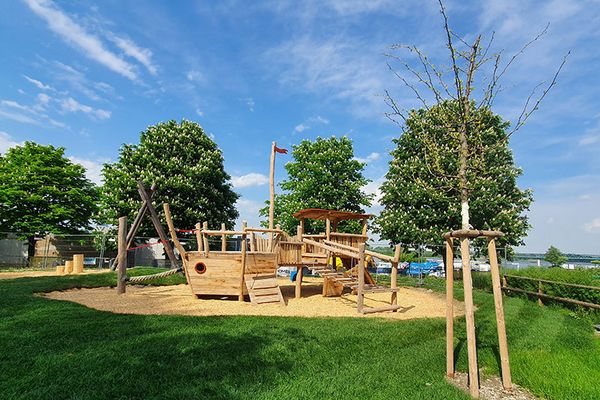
251	269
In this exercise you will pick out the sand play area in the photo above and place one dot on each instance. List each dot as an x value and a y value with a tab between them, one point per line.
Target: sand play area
177	300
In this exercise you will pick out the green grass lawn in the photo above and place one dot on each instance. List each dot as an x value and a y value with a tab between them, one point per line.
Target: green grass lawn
59	350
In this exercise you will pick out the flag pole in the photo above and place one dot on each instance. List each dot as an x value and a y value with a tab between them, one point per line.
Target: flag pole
272	192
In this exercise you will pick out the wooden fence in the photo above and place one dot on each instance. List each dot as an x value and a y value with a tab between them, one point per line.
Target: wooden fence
540	292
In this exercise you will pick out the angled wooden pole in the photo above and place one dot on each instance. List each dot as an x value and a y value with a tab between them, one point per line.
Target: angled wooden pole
139	216
157	225
500	324
470	318
243	266
450	307
122	258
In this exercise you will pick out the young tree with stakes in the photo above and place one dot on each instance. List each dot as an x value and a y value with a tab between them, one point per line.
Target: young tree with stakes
466	60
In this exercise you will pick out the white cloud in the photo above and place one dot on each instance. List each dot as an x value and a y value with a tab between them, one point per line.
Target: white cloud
93	169
249	102
6	142
593	225
374	188
195	76
71	105
15	105
18	117
248	180
589	139
199	112
312	120
142	55
370	158
339	68
43	98
301	128
74	34
248	210
37	83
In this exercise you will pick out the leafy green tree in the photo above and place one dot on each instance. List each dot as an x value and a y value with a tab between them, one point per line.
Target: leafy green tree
187	167
42	191
555	257
323	174
420	190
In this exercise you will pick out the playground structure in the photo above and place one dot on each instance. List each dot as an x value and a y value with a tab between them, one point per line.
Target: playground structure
251	270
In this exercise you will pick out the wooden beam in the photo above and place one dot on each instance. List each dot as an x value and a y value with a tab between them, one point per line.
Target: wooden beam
365	225
122	257
139	217
272	230
472	233
223	238
157	225
360	298
298	291
199	237
394	275
500	324
328	229
449	307
243	266
330	248
382	257
172	232
205	238
470	318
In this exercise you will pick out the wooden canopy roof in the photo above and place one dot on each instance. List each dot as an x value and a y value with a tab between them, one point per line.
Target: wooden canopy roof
332	215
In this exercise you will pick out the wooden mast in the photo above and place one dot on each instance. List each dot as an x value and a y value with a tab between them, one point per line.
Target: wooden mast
272	192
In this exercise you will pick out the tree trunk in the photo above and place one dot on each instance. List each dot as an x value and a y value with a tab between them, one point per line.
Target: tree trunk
30	248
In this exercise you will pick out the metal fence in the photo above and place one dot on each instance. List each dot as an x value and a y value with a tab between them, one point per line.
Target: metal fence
25	251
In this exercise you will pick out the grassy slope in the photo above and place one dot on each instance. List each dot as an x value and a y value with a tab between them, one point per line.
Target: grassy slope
53	349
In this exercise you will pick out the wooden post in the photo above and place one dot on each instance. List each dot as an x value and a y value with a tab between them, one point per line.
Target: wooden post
252	241
470	318
360	298
328	229
500	324
157	225
364	226
272	192
540	303
298	293
139	217
199	237
122	257
450	307
243	267
78	263
394	276
223	238
205	238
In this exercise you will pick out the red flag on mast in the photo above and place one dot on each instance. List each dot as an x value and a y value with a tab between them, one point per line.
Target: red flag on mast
280	150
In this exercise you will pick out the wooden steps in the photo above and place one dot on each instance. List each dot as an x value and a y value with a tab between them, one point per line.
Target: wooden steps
263	289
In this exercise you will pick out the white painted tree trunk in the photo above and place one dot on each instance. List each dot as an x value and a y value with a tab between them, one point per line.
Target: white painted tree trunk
464	212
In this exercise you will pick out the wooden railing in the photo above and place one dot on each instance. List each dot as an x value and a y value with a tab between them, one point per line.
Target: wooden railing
540	292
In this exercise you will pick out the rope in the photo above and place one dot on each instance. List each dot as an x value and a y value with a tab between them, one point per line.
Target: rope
147	245
144	278
186	230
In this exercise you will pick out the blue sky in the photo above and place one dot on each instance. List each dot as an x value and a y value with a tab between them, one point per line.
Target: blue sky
90	76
